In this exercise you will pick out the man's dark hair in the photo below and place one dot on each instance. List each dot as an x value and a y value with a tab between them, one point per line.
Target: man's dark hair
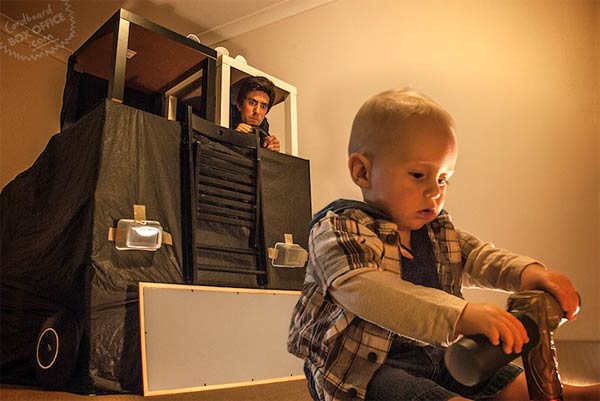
250	84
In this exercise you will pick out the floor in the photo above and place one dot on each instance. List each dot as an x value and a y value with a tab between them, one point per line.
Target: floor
579	363
289	391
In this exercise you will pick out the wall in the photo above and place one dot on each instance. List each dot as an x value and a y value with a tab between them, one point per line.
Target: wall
520	77
30	100
521	81
31	89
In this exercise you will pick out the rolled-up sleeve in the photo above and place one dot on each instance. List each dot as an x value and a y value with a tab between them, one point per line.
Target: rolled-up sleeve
383	298
486	266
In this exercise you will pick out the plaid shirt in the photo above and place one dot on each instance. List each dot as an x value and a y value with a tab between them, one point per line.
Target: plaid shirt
343	351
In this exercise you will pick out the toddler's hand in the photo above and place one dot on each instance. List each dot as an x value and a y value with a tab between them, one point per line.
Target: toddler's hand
535	277
496	324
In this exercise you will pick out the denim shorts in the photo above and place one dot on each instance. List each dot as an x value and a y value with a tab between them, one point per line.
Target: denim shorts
415	372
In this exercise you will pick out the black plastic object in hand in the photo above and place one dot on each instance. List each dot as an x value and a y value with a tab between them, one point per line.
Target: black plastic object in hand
474	359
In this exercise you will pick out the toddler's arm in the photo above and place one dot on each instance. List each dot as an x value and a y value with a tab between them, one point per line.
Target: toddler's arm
345	259
487	266
500	326
381	297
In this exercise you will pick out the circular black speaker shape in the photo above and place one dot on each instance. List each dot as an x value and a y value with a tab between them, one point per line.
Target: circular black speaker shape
56	350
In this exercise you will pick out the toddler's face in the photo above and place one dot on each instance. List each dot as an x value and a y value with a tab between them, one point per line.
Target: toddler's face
409	178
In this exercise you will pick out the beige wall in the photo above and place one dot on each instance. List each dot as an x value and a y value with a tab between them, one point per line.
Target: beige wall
30	100
31	90
520	77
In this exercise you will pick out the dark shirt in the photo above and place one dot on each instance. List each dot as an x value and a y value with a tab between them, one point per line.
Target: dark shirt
421	269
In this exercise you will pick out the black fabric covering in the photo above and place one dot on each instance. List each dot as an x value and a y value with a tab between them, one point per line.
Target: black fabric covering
286	209
54	249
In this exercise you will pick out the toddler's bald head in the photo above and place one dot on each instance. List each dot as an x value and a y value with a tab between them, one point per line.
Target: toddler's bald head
382	119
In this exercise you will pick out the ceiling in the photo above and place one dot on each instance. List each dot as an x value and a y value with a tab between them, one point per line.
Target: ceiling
213	21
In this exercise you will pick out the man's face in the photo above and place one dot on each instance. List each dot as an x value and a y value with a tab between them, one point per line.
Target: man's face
409	178
254	108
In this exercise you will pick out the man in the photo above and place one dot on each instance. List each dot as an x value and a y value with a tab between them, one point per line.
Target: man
254	100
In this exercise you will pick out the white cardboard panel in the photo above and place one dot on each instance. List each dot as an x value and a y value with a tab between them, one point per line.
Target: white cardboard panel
199	338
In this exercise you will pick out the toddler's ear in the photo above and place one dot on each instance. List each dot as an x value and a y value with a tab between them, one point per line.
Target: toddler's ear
360	169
